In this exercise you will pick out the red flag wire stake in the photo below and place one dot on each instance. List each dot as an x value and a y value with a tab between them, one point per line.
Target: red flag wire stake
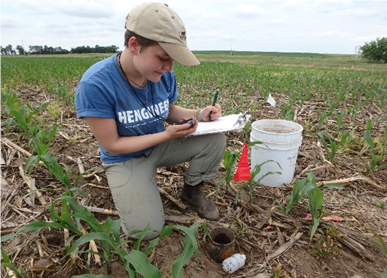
243	170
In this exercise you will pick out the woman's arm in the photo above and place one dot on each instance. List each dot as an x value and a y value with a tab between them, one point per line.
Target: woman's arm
105	131
177	113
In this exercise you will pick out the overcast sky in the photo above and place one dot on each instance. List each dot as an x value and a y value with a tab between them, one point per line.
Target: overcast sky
325	26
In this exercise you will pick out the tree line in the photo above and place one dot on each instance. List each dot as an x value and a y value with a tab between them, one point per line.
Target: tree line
39	49
374	51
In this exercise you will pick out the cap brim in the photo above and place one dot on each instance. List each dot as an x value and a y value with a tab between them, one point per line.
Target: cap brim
180	54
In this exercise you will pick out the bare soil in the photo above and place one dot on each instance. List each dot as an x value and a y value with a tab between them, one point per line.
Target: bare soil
275	245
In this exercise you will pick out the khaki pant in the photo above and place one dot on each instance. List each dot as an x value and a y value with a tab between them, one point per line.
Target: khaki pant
133	182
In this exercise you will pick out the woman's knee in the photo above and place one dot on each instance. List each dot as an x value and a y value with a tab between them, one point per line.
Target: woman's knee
153	229
218	141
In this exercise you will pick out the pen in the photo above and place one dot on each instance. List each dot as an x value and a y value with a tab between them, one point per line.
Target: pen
213	103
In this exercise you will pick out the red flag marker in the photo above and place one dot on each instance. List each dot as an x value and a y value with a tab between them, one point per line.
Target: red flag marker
243	170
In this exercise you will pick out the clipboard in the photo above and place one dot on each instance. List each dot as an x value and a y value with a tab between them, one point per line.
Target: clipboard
233	122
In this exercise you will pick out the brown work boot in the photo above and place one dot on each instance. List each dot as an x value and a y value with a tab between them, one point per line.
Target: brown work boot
203	206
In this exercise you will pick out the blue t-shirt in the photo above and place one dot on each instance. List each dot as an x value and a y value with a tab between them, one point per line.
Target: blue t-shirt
103	92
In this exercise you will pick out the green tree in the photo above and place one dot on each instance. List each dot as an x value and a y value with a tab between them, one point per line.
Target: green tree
20	50
375	51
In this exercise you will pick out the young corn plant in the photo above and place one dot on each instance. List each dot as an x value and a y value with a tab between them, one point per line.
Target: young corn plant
375	159
23	116
287	112
7	262
308	186
340	119
333	146
382	246
136	262
252	183
41	143
316	198
108	235
300	189
323	116
229	159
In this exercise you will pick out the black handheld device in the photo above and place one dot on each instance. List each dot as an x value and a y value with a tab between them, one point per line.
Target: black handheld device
190	121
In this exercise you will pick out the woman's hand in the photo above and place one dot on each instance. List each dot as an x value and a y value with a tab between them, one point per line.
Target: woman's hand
181	130
215	115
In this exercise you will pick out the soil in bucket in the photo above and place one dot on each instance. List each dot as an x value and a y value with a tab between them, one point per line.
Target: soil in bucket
277	152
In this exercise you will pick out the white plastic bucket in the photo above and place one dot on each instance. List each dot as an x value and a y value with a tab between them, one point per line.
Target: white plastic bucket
281	140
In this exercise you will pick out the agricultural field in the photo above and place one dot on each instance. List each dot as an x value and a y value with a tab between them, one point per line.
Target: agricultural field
58	217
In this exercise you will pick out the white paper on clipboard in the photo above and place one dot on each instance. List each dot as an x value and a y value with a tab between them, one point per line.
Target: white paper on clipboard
223	124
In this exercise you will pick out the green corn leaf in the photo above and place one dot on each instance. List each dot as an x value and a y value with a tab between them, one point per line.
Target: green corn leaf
114	226
166	231
54	167
35	227
79	210
141	264
369	140
300	189
68	220
154	242
8	263
91	236
107	226
296	195
219	183
316	197
191	233
344	138
313	228
190	247
32	160
255	143
53	213
267	174
369	124
182	259
379	242
141	237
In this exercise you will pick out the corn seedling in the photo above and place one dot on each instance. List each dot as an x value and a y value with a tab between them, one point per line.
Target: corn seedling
307	186
373	164
323	117
229	159
382	246
287	112
23	116
340	118
14	271
190	247
252	183
136	262
108	235
300	189
332	148
316	198
382	99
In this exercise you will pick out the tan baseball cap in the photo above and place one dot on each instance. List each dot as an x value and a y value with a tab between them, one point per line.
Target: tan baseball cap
158	22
